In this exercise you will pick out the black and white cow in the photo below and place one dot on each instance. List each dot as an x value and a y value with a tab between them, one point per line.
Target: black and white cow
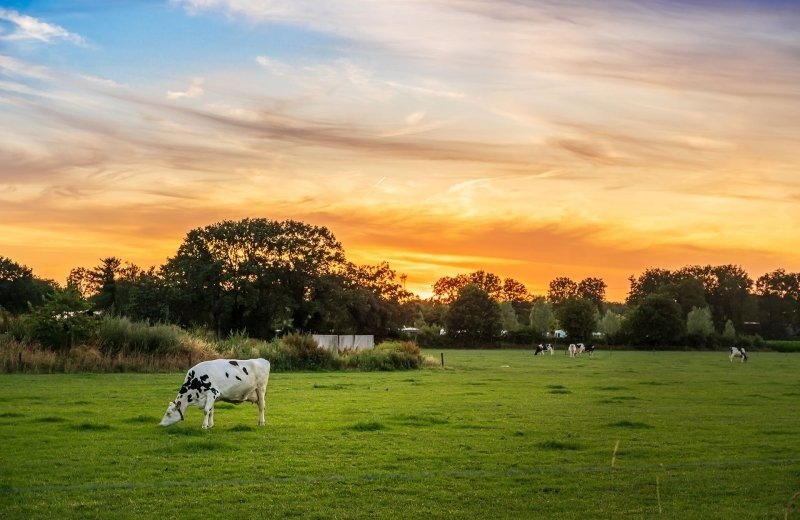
737	352
540	349
230	380
590	349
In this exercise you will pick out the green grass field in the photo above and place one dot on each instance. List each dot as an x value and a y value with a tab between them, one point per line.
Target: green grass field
495	434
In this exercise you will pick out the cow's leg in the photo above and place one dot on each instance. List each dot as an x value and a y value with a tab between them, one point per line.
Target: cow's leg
208	421
262	401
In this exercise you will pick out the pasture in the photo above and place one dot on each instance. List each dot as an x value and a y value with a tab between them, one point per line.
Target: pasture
494	434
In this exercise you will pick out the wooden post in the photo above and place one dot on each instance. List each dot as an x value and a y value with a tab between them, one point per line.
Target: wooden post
442	358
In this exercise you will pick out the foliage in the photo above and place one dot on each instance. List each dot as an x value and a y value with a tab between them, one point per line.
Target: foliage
387	356
560	290
610	325
19	288
725	289
783	345
542	318
121	335
508	317
779	303
446	289
474	316
594	290
578	318
58	324
656	321
729	332
699	322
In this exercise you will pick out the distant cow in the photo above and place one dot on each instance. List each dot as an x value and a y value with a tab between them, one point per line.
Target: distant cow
590	349
230	380
541	349
572	350
738	352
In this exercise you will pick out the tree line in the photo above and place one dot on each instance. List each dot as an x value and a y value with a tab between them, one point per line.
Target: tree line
267	277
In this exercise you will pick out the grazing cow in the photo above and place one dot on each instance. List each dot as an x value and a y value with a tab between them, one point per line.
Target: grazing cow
540	349
590	349
230	380
738	352
549	348
572	350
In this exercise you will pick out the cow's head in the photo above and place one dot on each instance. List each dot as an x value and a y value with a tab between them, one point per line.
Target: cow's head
173	415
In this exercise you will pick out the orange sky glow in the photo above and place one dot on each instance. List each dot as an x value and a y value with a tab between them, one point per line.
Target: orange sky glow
532	140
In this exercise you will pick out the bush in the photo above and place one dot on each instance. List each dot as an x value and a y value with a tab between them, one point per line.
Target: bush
301	352
390	355
783	345
120	335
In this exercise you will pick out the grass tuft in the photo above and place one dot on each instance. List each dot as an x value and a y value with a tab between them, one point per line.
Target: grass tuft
368	426
92	427
203	447
558	445
142	419
420	420
51	419
633	425
241	428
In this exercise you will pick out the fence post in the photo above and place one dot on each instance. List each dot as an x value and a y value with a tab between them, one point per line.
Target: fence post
442	358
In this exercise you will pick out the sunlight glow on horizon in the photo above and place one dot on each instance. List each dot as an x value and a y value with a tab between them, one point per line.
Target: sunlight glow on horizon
530	140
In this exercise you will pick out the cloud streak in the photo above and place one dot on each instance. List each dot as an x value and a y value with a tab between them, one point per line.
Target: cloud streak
536	139
25	27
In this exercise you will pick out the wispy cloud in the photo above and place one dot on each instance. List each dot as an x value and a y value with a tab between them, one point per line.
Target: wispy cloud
24	27
194	90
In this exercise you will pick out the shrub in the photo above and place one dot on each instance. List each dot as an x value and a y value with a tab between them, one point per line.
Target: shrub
301	352
120	335
390	355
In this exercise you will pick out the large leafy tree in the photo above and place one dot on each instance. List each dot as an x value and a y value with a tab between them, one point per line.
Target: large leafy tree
779	305
254	274
542	318
594	290
474	316
560	290
19	288
578	317
656	321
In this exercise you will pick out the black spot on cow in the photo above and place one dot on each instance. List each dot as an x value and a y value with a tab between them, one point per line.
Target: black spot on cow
239	378
189	398
244	369
226	374
201	385
234	363
204	377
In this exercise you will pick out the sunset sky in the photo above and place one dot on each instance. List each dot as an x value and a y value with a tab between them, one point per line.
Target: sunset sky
532	139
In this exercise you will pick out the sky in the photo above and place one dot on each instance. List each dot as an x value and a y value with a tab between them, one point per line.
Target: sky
531	139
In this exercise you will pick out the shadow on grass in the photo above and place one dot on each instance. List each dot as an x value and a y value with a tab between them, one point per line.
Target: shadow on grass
367	426
142	419
241	428
633	425
91	427
419	420
559	446
51	419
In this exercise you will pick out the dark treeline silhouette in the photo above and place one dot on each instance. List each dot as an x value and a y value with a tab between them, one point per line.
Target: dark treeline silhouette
267	277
